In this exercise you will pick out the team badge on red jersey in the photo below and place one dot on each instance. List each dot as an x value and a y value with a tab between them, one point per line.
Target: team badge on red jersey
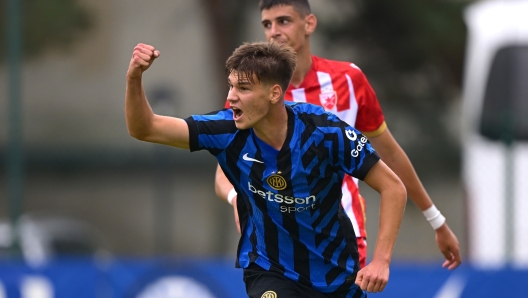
328	100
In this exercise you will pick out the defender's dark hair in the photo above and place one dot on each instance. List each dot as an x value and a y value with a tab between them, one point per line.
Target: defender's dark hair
302	7
270	63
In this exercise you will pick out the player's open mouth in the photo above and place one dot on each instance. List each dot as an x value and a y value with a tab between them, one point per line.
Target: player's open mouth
237	113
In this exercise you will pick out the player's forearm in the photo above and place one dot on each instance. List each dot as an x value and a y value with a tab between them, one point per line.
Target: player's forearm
392	207
138	113
400	163
222	184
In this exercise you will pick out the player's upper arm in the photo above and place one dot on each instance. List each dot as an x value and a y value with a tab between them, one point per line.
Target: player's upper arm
169	131
386	146
380	177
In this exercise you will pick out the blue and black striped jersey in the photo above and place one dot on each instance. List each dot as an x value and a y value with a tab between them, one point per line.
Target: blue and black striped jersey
289	200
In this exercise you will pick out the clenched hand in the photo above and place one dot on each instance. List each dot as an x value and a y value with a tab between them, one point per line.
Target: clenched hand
142	58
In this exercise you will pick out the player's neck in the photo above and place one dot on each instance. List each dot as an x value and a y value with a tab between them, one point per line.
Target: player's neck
273	129
304	63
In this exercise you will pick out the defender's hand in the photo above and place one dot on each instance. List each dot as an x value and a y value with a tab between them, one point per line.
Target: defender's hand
448	244
142	58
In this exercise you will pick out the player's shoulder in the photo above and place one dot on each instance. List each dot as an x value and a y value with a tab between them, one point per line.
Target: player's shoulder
223	114
215	120
312	114
305	108
336	65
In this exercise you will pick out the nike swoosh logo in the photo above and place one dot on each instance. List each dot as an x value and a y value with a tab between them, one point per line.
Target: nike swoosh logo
245	157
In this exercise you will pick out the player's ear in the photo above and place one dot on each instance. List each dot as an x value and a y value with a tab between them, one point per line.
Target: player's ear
310	23
275	93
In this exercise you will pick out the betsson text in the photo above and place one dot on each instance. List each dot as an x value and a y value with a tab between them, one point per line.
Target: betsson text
275	197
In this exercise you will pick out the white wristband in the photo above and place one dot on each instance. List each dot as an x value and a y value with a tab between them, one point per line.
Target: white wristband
231	195
434	217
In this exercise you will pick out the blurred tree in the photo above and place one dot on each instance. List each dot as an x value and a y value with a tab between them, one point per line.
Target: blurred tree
412	52
47	23
227	19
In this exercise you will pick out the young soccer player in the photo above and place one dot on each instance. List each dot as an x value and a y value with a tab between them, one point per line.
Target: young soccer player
343	89
287	163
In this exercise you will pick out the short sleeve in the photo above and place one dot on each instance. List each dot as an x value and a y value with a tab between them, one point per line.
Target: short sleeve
370	118
212	132
358	155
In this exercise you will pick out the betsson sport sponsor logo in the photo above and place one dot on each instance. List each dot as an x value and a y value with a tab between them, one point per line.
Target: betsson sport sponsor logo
308	202
351	135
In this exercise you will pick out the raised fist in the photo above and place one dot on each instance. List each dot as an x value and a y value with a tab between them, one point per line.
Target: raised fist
142	58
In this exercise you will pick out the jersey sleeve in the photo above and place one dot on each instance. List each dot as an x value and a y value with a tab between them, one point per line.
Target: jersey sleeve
212	132
357	155
370	119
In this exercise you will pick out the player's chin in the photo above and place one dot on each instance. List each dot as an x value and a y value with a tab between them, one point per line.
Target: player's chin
241	125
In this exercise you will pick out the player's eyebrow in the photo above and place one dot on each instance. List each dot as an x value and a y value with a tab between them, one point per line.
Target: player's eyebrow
279	18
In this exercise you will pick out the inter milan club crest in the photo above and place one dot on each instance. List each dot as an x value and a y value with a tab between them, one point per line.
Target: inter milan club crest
269	294
276	181
328	100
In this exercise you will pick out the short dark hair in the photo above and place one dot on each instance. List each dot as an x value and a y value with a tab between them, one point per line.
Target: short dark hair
269	62
301	6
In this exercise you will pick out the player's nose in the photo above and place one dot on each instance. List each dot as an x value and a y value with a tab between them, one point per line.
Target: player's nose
274	30
231	95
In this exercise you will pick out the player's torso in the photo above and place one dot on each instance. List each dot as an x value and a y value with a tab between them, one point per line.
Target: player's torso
270	186
292	199
328	84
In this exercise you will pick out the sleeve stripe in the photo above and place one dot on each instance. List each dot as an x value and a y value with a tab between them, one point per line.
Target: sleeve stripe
193	134
377	132
368	163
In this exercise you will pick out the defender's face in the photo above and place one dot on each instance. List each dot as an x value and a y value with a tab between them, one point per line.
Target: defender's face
284	25
250	102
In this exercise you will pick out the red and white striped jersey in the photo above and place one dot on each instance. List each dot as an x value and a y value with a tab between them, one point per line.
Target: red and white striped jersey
343	89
